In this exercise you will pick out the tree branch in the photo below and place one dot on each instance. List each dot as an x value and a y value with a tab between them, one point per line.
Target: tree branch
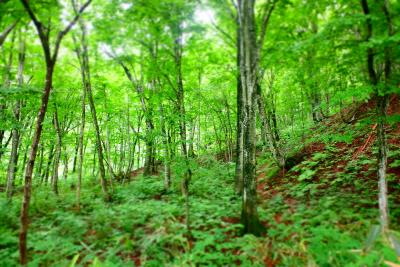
265	20
62	33
5	33
232	41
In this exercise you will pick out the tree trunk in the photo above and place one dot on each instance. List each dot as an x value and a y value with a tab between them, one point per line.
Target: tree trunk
50	59
248	77
57	154
83	56
149	167
29	168
239	116
75	155
12	165
269	134
65	171
38	174
80	144
167	156
49	161
382	103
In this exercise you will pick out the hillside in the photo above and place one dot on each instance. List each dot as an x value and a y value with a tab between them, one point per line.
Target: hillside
319	213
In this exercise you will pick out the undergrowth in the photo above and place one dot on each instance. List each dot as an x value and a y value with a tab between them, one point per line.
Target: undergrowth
322	212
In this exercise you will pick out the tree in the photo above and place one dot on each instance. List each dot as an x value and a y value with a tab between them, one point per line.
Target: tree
50	59
83	57
12	165
382	96
250	47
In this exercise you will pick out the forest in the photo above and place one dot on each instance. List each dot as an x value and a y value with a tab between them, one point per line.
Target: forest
200	133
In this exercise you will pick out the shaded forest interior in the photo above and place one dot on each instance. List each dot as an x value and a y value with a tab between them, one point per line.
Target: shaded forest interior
199	133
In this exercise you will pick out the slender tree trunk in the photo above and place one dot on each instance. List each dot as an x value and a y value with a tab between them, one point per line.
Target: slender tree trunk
57	154
167	156
98	143
39	168
12	165
239	117
80	144
382	103
49	161
269	134
65	171
75	155
7	83
180	106
83	56
191	138
149	168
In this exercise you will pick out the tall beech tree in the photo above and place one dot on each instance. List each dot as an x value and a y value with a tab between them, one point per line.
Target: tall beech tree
250	48
50	56
81	49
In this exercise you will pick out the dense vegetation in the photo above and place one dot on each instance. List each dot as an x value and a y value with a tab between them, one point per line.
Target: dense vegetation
200	133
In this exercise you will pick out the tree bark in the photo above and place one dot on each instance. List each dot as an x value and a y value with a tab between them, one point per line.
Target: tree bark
57	154
269	135
83	56
80	143
50	59
248	77
12	165
75	155
381	108
167	155
29	168
239	117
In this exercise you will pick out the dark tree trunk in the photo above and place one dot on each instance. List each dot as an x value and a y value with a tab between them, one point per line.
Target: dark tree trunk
239	118
38	174
13	163
29	168
50	59
57	154
49	161
75	155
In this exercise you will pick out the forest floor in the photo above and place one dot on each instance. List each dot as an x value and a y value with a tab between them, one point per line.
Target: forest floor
321	212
